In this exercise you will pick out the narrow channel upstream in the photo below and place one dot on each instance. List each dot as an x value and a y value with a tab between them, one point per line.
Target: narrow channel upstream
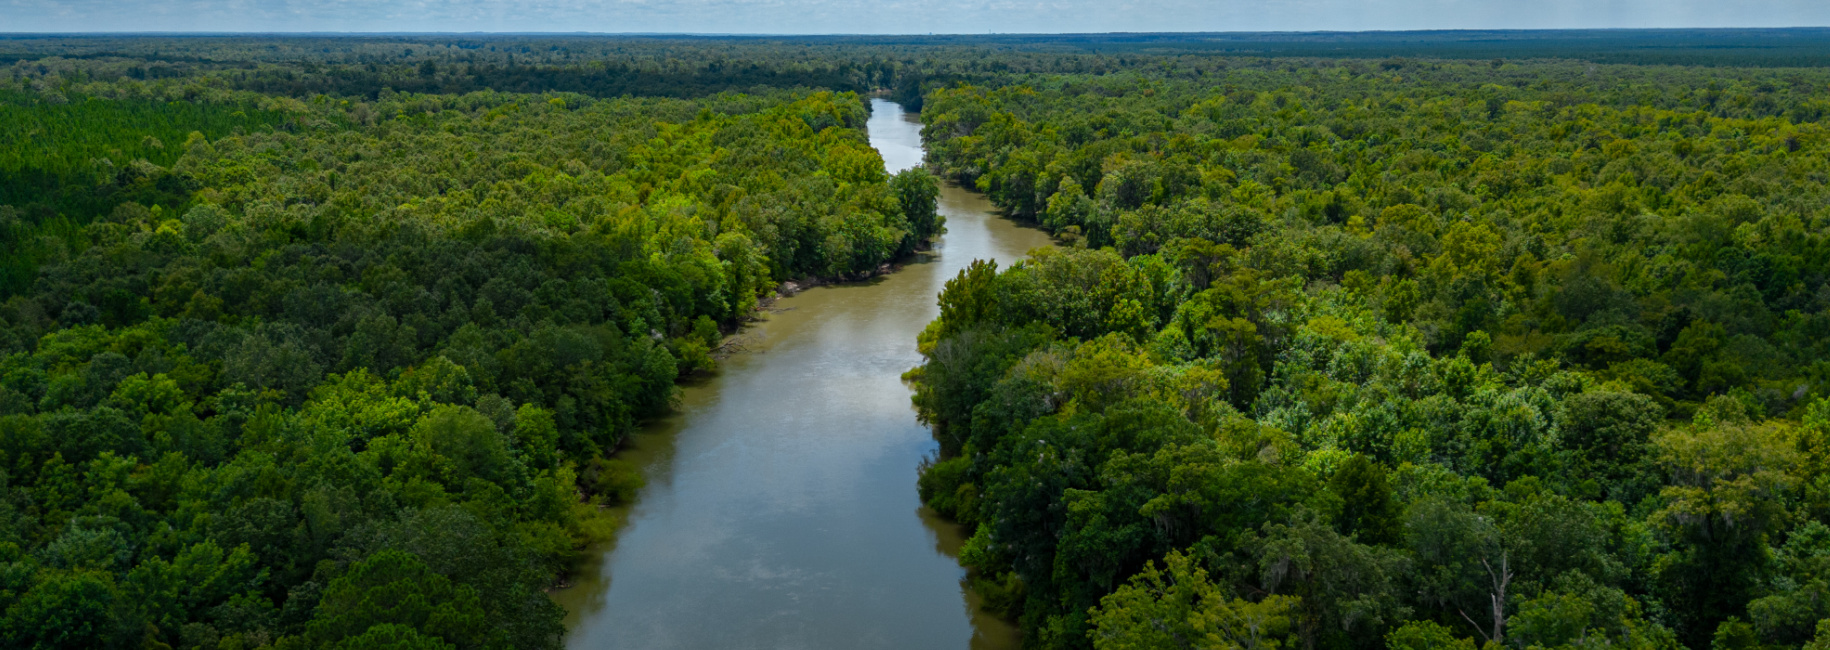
780	510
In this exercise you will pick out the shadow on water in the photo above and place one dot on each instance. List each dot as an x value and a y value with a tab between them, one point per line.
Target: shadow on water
989	632
780	509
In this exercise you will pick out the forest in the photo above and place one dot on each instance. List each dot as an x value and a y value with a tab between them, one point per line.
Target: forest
344	373
1413	355
1502	340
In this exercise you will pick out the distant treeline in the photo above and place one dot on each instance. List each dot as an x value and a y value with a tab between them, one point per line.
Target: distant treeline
693	66
1741	47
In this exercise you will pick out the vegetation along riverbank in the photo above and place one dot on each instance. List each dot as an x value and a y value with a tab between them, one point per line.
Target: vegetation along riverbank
274	364
1355	340
1403	354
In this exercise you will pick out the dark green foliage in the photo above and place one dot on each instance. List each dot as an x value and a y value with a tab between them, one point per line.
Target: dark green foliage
1368	511
393	589
336	373
66	611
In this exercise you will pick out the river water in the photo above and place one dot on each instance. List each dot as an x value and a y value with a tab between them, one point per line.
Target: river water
780	510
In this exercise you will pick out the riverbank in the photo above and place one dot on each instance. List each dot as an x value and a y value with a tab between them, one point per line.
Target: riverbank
780	507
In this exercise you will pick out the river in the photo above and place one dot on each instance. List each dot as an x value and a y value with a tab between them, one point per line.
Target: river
780	510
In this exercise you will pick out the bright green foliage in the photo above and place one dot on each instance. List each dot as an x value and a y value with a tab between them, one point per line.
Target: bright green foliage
69	160
1505	212
1578	613
1178	607
1455	353
1822	640
1426	635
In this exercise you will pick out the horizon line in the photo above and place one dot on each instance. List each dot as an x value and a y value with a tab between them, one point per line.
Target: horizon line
1530	30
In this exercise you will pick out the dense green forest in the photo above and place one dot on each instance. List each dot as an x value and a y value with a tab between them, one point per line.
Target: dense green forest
1412	354
1412	341
345	372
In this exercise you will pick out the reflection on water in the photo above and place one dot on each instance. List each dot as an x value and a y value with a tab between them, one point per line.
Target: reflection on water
780	510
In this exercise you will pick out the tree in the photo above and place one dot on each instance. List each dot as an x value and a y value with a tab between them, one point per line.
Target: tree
1578	612
1463	564
537	436
1341	585
967	299
1822	640
202	576
1725	495
467	439
1800	589
1176	606
916	191
1426	635
392	637
1550	536
394	589
1609	432
1368	511
67	610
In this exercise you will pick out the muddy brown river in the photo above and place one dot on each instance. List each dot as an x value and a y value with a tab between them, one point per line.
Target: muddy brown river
780	510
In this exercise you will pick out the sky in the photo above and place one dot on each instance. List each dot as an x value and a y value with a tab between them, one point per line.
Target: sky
891	16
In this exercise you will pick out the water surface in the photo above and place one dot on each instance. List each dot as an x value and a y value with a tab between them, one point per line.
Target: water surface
780	510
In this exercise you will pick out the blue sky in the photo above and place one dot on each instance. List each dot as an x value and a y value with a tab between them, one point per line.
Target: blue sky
892	16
